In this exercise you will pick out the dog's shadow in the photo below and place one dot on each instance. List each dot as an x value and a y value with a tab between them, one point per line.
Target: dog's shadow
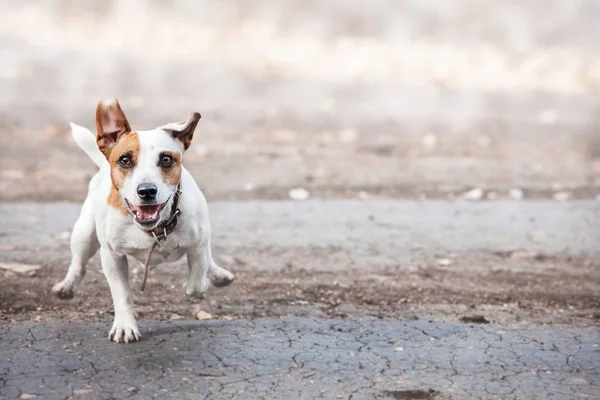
184	344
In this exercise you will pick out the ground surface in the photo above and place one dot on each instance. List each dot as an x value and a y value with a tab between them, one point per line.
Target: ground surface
510	261
301	359
358	299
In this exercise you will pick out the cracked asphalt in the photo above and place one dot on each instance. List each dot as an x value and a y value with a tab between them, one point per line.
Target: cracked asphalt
301	358
277	331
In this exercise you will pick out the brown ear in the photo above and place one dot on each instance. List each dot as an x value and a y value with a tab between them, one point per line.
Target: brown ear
184	130
111	124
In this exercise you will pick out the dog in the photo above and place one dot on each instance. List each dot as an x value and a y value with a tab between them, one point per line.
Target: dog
143	203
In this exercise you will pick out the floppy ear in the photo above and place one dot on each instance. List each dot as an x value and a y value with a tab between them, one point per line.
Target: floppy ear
111	124
184	130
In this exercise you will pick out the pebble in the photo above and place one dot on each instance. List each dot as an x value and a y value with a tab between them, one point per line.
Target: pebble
64	235
516	194
523	255
363	195
561	196
299	194
25	269
473	194
203	315
444	262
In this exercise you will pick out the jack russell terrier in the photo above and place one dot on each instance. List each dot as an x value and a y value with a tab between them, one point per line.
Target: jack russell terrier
142	198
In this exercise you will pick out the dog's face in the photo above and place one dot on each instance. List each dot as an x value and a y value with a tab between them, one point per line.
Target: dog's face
145	166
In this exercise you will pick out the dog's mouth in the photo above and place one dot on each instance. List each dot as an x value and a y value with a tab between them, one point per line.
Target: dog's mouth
146	214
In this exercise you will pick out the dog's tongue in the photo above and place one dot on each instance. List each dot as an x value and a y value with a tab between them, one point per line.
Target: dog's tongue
146	213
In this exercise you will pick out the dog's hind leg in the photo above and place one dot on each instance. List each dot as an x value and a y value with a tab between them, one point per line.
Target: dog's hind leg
84	244
218	276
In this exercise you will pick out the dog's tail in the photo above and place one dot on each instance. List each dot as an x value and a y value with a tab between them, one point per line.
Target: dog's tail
86	140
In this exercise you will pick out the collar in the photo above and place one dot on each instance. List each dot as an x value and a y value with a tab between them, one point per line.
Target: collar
161	232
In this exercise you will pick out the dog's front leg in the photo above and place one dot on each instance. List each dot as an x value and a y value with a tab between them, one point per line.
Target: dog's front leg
199	264
117	274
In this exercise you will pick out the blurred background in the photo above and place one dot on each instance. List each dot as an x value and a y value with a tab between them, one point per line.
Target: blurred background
343	99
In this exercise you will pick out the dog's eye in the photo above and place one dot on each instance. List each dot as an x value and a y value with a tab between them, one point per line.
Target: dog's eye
125	161
166	160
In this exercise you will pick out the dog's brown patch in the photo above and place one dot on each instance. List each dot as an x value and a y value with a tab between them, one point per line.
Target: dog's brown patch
116	201
111	124
127	144
184	130
172	175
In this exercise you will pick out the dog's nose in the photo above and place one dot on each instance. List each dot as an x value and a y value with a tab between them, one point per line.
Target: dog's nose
147	191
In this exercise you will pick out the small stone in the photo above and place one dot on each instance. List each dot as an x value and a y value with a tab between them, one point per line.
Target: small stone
577	381
25	269
64	235
474	319
473	194
444	262
37	318
27	396
299	194
399	348
249	186
202	315
561	196
132	389
516	194
523	255
177	317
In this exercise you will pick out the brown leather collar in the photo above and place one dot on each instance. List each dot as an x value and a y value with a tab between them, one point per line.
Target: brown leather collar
162	231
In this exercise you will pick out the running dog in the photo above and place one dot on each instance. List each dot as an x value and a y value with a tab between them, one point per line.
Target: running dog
142	203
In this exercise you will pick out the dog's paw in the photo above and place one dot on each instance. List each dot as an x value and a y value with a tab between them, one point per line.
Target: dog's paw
196	289
220	277
63	290
124	329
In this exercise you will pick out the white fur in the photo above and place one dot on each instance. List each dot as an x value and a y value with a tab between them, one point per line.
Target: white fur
81	136
101	226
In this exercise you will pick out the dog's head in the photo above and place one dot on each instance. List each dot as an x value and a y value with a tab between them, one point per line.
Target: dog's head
145	166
